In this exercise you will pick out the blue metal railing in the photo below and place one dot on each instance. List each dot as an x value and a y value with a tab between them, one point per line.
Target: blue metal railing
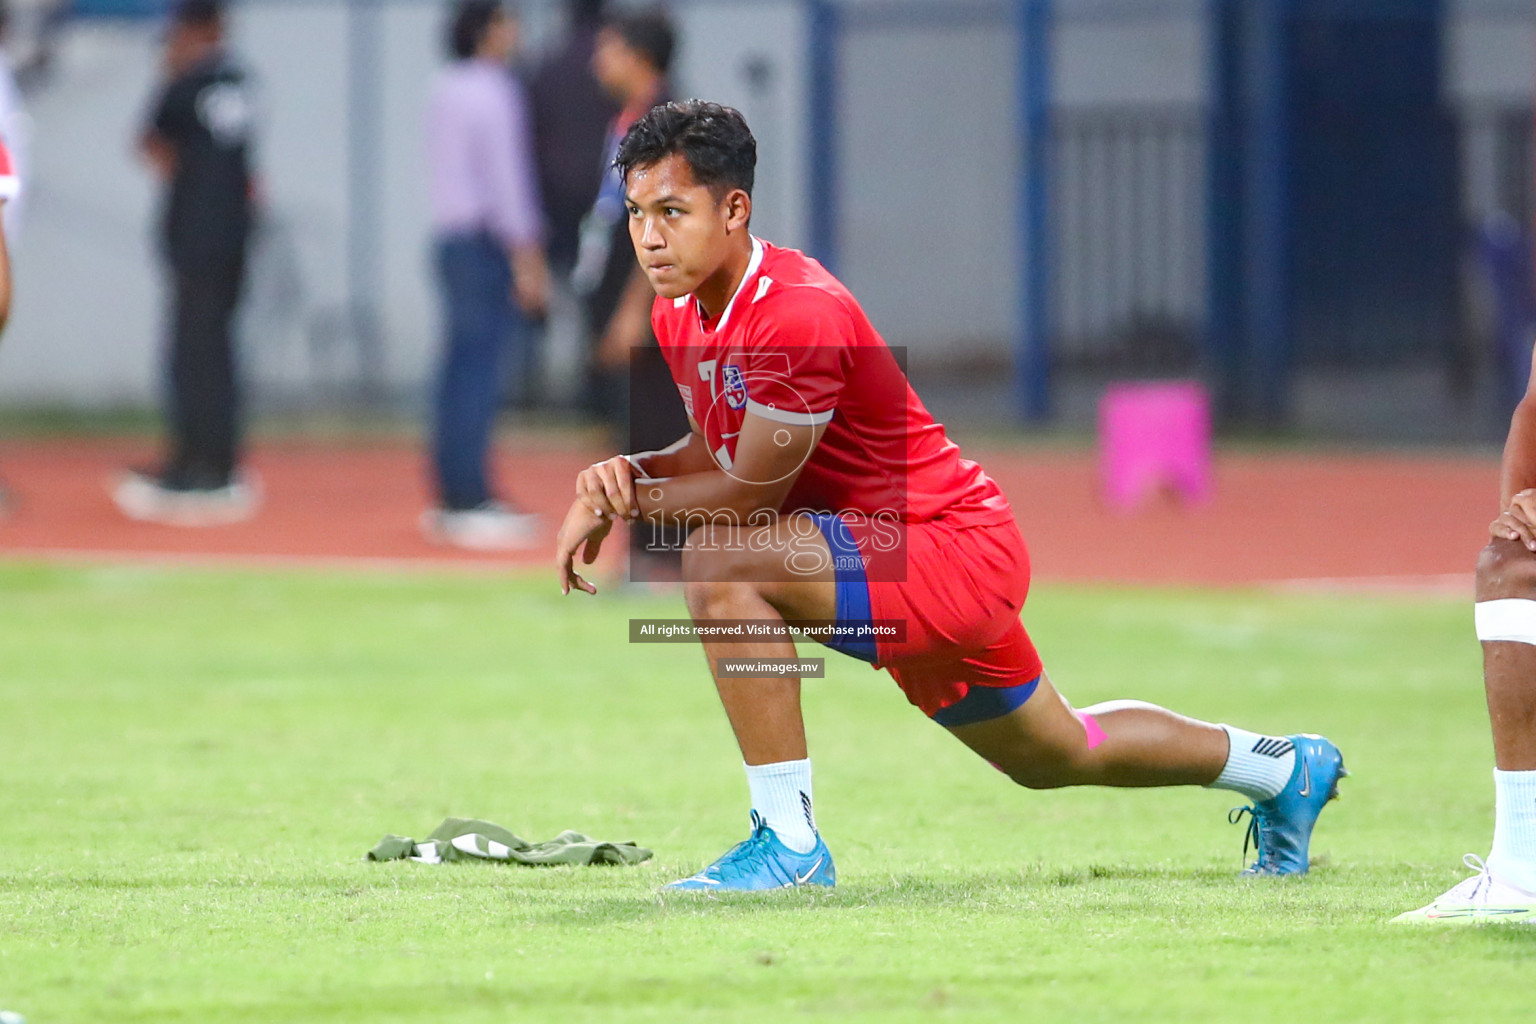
124	9
1032	342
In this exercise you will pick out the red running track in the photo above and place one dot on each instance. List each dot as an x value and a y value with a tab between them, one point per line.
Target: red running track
1365	520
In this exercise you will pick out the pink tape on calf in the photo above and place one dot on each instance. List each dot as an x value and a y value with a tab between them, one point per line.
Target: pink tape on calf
1095	734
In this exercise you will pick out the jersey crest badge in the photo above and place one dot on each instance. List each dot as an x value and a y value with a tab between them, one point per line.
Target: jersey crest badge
735	386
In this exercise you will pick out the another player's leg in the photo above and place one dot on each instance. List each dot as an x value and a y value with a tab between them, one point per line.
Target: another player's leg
764	576
1504	888
1044	743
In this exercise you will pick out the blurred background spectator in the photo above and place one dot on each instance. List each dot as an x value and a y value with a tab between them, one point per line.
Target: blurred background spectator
490	267
197	142
631	59
571	116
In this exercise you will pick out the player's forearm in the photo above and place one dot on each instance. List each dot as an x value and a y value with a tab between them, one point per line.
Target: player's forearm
1519	467
1518	471
714	496
684	456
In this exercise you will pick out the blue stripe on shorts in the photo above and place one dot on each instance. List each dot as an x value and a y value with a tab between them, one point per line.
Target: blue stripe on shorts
852	588
982	703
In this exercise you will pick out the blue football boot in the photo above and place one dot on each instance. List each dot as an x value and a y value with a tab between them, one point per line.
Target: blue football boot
1282	827
760	862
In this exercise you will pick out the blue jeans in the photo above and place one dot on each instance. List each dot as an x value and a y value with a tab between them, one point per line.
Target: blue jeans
480	323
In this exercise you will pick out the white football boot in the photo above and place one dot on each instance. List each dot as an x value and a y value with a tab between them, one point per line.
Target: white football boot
1480	899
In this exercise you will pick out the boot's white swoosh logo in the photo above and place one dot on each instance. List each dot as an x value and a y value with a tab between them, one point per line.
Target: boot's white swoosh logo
802	879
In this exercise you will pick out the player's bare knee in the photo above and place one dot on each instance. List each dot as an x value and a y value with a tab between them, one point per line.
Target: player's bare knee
722	555
1506	569
714	585
1050	774
1038	777
716	599
707	553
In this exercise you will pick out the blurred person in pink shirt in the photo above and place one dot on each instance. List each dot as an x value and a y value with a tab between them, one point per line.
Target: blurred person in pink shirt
488	250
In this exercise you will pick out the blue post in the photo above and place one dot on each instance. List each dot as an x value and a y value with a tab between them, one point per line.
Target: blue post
824	38
1266	257
1032	347
364	155
1224	213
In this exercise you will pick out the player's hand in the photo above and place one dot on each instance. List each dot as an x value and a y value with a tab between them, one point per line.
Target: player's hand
582	530
530	280
1525	504
1518	521
608	488
530	292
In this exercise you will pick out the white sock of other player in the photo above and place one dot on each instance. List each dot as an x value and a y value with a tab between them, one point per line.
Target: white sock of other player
1513	858
1257	766
781	795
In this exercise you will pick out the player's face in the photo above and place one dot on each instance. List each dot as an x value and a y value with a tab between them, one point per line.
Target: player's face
684	236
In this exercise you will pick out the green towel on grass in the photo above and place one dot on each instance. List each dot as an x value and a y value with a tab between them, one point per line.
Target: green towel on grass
473	839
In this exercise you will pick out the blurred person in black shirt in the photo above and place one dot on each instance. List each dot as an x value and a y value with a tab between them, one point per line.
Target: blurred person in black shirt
198	141
572	113
628	383
631	59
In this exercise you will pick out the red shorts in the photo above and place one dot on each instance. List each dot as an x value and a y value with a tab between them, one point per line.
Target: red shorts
960	598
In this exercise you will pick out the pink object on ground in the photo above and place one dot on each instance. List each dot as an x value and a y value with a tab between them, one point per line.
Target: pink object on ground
1152	437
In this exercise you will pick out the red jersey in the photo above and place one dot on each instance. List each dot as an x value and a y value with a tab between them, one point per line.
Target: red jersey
793	346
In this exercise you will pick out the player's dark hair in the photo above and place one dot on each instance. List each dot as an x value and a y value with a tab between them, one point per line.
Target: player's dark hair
198	14
649	33
471	20
714	139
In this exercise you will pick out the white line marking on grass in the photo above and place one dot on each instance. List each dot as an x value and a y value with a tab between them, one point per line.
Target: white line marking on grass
320	563
1453	583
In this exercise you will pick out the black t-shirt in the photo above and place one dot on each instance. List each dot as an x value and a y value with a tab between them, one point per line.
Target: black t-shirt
571	115
206	116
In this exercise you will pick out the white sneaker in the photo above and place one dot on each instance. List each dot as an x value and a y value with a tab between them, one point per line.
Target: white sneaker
1482	898
488	527
145	499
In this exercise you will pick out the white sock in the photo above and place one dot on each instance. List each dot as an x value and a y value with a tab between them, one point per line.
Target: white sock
1514	829
781	795
1257	766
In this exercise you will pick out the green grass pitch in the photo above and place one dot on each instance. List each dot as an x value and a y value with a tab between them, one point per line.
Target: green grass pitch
193	762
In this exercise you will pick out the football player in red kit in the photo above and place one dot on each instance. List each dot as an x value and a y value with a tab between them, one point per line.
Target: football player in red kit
818	491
